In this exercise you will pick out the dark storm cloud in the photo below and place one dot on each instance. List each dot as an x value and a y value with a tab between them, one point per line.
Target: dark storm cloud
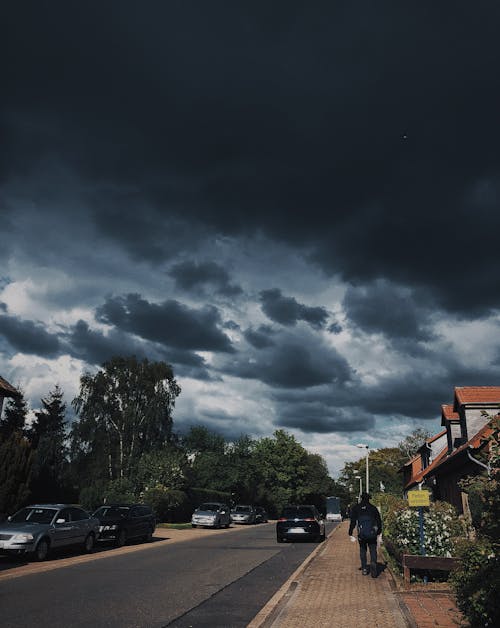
95	347
368	136
315	417
260	338
294	362
170	323
384	308
29	337
287	311
193	276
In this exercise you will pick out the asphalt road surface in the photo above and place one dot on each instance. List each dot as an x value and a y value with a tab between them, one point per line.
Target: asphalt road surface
217	578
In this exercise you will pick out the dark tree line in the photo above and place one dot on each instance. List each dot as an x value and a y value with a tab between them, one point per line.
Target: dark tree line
121	446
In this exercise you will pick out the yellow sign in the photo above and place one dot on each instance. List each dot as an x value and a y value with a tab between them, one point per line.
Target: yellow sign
418	498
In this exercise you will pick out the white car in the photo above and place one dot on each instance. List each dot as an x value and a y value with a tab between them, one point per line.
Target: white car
211	515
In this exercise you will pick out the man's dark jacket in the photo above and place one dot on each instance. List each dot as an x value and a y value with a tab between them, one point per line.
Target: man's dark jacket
365	508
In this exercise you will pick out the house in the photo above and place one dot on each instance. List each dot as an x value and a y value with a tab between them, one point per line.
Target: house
6	390
452	455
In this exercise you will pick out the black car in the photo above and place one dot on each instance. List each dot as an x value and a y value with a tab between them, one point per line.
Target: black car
300	522
121	522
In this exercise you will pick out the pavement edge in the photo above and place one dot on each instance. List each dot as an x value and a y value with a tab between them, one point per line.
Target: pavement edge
269	612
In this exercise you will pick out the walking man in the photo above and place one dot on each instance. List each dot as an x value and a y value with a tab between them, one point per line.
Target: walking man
369	524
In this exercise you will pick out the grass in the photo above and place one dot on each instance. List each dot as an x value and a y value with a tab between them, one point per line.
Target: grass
174	526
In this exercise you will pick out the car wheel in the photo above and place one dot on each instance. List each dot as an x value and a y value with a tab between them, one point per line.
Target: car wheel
149	536
88	545
121	539
193	525
280	539
42	550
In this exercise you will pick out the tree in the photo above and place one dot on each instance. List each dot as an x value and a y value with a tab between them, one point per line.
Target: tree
14	416
48	437
384	465
123	410
16	460
285	471
412	443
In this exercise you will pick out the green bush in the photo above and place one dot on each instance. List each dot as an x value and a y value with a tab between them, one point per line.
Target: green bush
169	505
477	582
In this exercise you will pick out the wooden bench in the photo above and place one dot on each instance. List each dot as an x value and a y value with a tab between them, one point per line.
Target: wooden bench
436	563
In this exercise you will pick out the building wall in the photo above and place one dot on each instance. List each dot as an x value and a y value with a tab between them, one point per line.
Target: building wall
437	446
475	420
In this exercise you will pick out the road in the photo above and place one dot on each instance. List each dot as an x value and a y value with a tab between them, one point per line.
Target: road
215	578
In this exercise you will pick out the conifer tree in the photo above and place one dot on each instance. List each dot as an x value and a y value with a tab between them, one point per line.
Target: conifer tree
14	416
16	460
48	436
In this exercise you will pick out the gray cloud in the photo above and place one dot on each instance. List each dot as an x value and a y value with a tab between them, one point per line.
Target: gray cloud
287	311
170	323
191	276
381	307
294	362
260	338
29	337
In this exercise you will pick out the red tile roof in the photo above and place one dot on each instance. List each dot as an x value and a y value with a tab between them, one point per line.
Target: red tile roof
448	413
476	394
7	390
418	477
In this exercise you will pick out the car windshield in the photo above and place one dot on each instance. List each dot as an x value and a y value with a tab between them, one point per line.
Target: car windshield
298	512
243	509
209	506
34	515
111	511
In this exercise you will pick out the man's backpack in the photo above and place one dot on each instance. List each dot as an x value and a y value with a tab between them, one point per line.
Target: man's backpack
367	526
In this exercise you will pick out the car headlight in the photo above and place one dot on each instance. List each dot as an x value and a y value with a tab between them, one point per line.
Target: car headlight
22	538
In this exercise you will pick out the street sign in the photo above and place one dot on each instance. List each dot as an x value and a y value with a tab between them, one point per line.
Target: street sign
418	498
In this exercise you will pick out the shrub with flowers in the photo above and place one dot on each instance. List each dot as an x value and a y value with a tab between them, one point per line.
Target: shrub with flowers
477	580
442	528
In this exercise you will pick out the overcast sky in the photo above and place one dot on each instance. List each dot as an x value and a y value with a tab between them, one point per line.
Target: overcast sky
295	204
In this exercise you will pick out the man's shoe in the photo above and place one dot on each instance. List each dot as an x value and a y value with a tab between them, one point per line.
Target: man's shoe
373	570
365	572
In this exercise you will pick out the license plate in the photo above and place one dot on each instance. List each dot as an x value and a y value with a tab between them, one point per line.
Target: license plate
296	531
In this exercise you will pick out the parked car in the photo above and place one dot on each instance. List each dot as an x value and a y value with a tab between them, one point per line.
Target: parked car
211	515
120	522
243	514
261	515
300	522
38	529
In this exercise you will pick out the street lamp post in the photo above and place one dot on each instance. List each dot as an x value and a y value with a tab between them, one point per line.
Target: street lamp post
362	446
358	477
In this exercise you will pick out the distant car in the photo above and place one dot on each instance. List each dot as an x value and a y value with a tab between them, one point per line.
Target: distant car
261	515
243	514
300	522
121	522
36	530
211	515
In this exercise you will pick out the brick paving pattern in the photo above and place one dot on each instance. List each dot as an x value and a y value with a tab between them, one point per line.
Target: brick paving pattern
331	592
433	609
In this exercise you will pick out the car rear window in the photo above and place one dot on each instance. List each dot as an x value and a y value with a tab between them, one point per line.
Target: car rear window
209	506
298	512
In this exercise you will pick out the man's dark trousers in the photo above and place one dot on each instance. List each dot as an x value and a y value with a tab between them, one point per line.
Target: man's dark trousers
372	546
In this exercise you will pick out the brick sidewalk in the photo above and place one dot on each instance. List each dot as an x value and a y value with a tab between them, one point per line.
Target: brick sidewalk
433	609
331	591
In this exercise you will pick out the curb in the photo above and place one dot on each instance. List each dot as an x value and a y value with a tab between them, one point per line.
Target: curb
269	612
